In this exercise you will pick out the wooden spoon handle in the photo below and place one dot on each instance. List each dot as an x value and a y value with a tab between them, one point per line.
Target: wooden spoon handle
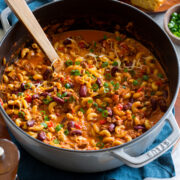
22	11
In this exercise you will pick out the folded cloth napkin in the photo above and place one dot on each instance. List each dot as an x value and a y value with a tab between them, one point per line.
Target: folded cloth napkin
32	169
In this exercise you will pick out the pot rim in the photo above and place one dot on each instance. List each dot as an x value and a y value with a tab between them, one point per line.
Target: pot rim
115	147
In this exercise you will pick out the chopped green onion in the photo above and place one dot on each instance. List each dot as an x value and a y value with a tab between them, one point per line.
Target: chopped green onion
64	95
46	118
87	72
106	84
27	86
118	38
100	109
69	63
71	99
105	113
20	93
91	50
160	75
67	86
106	90
100	145
133	116
116	86
56	141
95	44
112	82
58	127
115	63
125	70
43	112
108	76
95	104
59	95
47	100
44	124
90	101
95	87
124	87
82	110
104	64
75	72
77	63
21	114
66	132
105	37
145	77
135	82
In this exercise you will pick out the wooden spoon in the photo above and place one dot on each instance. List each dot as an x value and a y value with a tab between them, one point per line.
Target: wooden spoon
22	11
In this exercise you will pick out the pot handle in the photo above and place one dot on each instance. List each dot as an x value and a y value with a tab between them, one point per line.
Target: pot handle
154	153
5	14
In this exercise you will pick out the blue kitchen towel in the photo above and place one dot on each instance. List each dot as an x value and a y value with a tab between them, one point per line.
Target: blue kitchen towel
32	169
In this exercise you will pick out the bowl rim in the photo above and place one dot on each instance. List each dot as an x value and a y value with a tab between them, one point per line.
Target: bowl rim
163	118
167	19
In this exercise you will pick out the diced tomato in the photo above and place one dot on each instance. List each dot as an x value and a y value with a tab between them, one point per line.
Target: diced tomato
159	83
90	66
62	79
120	106
61	48
103	121
28	98
50	124
82	44
1	102
140	89
78	126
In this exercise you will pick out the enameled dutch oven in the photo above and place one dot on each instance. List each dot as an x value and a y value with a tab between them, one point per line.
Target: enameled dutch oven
145	30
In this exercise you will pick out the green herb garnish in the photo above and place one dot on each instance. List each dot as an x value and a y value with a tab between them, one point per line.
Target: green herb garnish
44	124
69	63
104	64
56	141
58	127
75	72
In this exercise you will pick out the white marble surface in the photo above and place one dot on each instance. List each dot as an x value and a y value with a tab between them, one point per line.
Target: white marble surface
176	154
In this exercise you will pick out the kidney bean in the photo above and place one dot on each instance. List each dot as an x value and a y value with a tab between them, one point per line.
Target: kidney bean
46	74
114	70
83	91
64	120
50	90
45	94
67	41
30	123
110	113
127	106
162	105
165	93
111	127
70	125
139	127
35	96
23	87
154	104
76	132
131	100
41	135
98	81
58	100
128	63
